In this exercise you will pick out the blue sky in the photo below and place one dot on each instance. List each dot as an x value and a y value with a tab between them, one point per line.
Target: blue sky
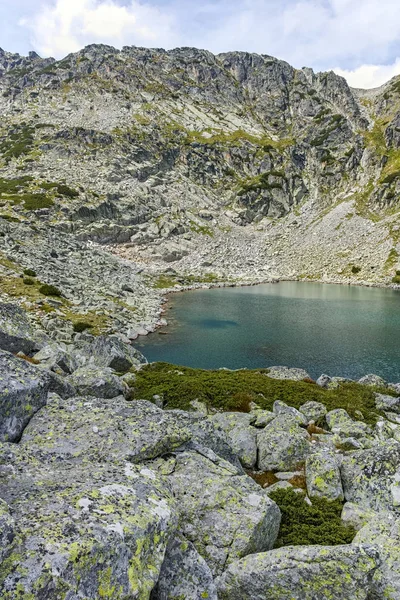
359	39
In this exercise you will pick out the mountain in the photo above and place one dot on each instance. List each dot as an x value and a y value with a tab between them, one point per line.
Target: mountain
196	168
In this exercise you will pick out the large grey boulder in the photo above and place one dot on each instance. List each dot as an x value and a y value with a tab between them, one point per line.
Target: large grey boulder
100	382
385	402
16	332
53	355
99	532
384	531
95	429
356	516
7	528
313	411
282	445
371	477
372	380
289	373
302	573
23	391
184	574
109	351
340	422
280	408
241	435
225	515
323	475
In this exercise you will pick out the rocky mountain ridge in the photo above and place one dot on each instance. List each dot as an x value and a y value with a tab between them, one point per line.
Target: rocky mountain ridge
196	169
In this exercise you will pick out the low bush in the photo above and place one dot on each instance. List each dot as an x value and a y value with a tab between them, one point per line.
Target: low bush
303	524
235	390
49	290
355	269
80	326
28	281
30	272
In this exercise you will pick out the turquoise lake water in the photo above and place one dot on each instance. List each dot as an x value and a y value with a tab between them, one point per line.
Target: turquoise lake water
339	330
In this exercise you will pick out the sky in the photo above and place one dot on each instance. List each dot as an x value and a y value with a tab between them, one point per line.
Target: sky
359	39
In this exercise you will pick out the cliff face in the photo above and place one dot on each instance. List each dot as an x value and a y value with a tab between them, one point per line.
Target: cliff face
236	165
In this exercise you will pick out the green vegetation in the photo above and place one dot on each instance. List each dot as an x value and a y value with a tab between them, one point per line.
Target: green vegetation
64	190
36	201
355	269
19	141
28	281
396	278
234	390
261	182
80	326
30	272
49	290
236	138
301	524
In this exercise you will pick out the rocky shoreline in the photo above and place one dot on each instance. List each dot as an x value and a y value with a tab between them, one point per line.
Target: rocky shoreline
108	489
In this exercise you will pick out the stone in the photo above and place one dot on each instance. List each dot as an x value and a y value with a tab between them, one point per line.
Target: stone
110	351
184	574
280	408
323	475
302	573
370	477
356	516
225	515
16	332
383	530
241	436
372	380
23	391
52	355
60	385
131	431
287	373
100	382
279	485
340	422
282	445
7	529
263	417
313	411
323	380
389	403
98	532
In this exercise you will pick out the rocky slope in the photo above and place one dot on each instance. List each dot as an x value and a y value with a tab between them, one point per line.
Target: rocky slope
234	167
106	495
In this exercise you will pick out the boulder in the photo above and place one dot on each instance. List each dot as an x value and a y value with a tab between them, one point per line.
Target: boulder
7	528
355	515
225	515
263	417
371	477
110	351
98	533
97	430
184	574
313	411
340	422
241	435
383	530
23	391
323	380
302	573
16	332
390	403
280	408
53	355
323	475
100	382
282	445
372	380
287	373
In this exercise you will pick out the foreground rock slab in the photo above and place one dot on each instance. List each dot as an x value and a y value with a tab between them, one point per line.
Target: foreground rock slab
302	573
23	391
225	515
16	332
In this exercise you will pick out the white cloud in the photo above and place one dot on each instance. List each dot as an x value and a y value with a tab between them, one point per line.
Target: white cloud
370	76
69	25
362	39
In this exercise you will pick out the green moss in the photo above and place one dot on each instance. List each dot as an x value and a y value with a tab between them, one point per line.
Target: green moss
302	524
37	201
30	272
234	390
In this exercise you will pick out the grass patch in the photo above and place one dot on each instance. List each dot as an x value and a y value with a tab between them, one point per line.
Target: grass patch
37	201
319	524
234	390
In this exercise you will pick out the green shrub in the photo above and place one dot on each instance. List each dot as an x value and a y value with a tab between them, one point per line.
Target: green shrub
64	190
355	269
37	201
49	290
28	281
396	279
30	272
80	326
228	390
302	524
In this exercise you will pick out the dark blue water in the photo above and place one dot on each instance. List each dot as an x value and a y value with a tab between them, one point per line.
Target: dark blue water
333	329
